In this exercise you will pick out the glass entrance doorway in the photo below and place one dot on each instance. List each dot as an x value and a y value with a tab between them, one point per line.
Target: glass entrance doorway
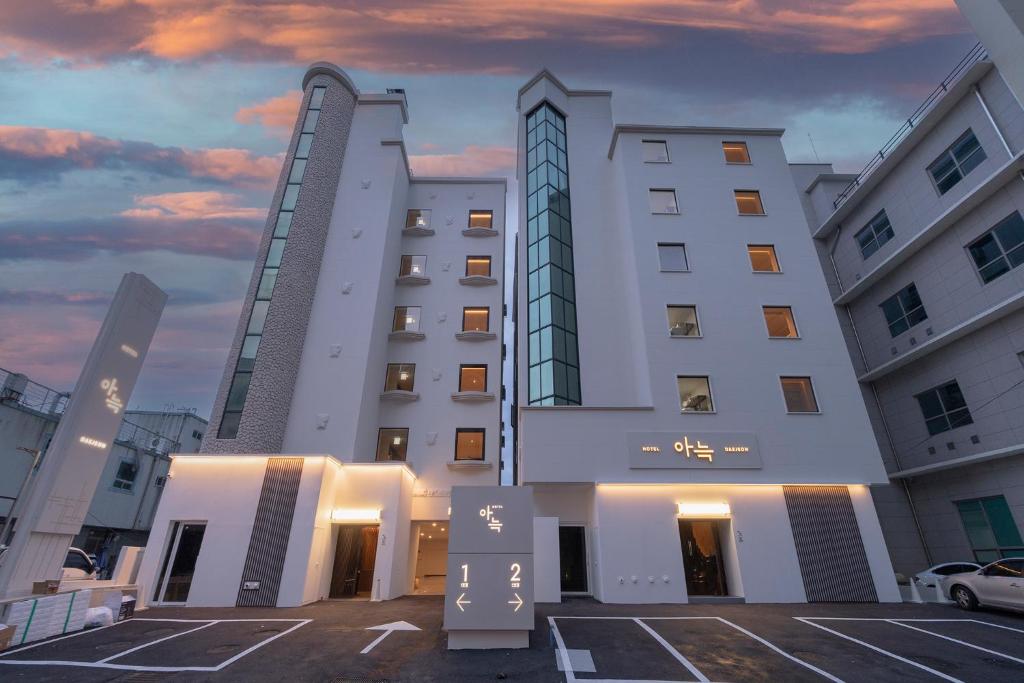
572	556
179	563
354	559
702	556
431	557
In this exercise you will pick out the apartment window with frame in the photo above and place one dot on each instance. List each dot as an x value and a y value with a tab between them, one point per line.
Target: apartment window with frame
872	236
481	219
763	258
944	408
400	377
672	258
417	218
472	378
478	265
407	319
748	202
959	159
469	444
124	478
415	266
999	250
655	152
476	319
903	310
392	444
990	528
694	394
736	152
798	393
663	201
780	323
682	321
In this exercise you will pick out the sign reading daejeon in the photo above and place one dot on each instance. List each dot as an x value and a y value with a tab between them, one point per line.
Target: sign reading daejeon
693	450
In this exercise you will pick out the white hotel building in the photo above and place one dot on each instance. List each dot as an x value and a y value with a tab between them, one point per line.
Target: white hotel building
685	410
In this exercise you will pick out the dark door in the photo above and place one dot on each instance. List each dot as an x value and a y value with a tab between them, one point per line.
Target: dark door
367	559
702	557
354	559
183	566
572	555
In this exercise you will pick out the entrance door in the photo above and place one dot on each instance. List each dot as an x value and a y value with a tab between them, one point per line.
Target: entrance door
182	552
572	555
702	557
354	560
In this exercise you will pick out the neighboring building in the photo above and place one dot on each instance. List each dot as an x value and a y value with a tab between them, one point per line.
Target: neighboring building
922	252
122	508
364	380
685	410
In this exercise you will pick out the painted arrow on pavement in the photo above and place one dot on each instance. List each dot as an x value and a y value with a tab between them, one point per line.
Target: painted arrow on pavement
388	630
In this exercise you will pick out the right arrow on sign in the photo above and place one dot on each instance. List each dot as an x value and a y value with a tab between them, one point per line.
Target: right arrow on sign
518	602
460	602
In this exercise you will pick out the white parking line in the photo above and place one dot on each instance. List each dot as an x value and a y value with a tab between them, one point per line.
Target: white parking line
959	642
781	652
158	640
674	652
570	677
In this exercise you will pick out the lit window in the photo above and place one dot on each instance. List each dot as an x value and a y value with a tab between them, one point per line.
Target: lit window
125	477
763	259
1000	249
736	152
672	258
417	218
473	378
962	157
748	202
694	394
682	321
413	265
872	236
469	444
475	319
407	319
481	219
944	408
903	310
655	151
780	323
663	201
799	395
478	265
392	444
400	377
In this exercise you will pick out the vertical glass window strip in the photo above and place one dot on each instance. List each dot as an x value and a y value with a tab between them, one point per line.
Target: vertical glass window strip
554	368
246	362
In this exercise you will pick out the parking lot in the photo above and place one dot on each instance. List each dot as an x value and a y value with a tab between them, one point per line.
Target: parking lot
335	641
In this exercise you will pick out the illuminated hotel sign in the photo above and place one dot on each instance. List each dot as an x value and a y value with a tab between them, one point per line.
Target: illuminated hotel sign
693	450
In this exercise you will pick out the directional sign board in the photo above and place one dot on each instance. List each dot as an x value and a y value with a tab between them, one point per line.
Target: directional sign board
489	585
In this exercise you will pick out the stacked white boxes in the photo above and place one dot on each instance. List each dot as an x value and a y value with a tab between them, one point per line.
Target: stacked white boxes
48	615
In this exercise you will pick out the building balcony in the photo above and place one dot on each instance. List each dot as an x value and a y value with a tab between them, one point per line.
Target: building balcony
473	396
412	281
475	335
400	396
477	281
480	232
417	232
406	335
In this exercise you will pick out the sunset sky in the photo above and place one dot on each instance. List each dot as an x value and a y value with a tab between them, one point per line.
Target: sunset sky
147	135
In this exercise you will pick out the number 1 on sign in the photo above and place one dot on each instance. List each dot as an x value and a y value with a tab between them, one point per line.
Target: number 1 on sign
465	576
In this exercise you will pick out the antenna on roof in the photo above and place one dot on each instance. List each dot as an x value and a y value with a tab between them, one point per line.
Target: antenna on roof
814	149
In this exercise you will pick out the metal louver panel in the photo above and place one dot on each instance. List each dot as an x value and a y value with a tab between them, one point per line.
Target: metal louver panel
268	545
833	564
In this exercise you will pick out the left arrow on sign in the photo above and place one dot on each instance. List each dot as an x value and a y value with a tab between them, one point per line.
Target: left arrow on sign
460	602
518	602
388	630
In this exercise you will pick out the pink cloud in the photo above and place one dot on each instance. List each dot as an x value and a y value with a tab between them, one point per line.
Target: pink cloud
475	160
277	114
192	205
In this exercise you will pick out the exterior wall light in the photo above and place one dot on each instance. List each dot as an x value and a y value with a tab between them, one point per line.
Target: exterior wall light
355	515
704	509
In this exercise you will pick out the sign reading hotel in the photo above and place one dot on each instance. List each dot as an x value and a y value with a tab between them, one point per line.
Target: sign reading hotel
693	450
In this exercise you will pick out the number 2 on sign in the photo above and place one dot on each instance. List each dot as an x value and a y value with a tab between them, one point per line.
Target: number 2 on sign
465	576
515	569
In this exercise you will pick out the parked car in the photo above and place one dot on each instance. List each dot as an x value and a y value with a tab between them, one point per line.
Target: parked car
999	584
77	564
930	577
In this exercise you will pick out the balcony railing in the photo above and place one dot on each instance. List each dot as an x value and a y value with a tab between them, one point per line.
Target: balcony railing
145	439
19	390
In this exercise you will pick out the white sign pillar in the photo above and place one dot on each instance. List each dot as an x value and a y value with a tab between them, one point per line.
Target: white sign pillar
53	513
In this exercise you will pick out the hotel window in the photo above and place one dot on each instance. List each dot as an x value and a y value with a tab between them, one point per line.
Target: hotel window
417	218
990	528
469	444
125	477
481	219
400	377
475	319
663	201
694	394
780	323
763	259
682	321
1000	249
246	362
736	152
944	408
392	444
748	202
903	310
962	157
413	265
472	378
799	395
872	236
655	152
553	351
672	258
478	265
407	319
